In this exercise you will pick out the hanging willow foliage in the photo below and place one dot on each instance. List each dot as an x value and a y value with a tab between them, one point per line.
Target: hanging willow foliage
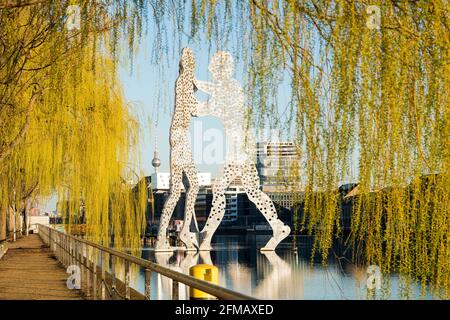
65	126
372	95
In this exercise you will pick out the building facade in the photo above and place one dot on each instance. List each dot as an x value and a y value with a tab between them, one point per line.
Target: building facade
278	166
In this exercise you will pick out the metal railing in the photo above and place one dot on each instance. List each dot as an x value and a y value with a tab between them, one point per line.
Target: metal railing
99	264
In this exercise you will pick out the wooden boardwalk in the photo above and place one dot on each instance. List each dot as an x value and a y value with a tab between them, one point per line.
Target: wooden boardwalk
29	271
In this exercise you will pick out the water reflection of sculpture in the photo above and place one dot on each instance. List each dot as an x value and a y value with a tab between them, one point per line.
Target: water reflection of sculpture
279	281
183	262
164	284
226	103
276	284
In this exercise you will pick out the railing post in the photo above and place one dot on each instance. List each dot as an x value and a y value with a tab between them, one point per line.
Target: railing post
175	287
88	276
127	280
58	246
55	241
78	249
148	280
66	243
103	254
82	266
75	253
63	249
113	277
67	251
94	273
80	262
72	257
62	257
64	246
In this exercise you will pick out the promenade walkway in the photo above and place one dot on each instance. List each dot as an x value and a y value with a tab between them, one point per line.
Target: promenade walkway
29	270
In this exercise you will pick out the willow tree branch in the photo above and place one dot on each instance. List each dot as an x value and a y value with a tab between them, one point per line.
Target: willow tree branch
30	191
6	150
10	4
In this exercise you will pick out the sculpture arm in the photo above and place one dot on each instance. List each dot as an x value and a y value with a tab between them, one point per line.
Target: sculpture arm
203	108
204	86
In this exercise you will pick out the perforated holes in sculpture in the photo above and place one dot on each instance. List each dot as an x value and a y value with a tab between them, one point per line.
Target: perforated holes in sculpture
227	103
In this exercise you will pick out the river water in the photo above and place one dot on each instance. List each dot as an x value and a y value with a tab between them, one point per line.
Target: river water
287	273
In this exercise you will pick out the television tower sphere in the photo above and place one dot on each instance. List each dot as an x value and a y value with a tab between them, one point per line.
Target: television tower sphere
156	162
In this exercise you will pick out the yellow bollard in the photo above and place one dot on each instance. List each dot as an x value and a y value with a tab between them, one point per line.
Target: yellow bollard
204	272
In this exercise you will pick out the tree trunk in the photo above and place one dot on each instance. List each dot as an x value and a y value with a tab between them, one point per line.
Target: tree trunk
3	212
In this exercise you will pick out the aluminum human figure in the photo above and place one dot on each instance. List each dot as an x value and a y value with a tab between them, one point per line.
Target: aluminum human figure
181	160
227	103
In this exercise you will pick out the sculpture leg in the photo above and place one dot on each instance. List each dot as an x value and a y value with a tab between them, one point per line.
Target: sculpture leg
218	207
265	205
206	257
190	238
162	242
